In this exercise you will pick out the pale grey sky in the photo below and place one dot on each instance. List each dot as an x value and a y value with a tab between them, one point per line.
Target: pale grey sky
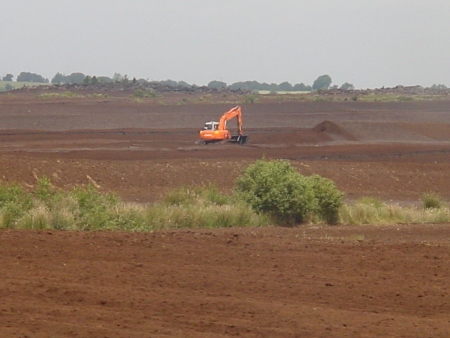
370	43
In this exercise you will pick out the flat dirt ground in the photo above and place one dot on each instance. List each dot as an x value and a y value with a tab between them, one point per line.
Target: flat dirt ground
339	281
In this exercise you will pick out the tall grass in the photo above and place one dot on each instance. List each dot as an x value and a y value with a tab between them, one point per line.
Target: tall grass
66	94
431	200
373	211
86	208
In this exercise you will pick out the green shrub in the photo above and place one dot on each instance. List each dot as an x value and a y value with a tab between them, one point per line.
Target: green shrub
204	195
44	190
276	188
431	200
371	201
250	99
14	202
94	208
329	198
405	98
279	190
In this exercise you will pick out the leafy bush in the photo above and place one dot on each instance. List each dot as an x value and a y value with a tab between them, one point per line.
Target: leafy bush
279	190
275	188
329	198
94	208
431	200
14	202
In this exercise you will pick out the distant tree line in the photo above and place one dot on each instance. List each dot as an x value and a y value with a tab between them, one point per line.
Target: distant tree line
25	77
323	82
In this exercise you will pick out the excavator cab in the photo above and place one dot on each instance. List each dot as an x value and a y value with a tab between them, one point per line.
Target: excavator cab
211	125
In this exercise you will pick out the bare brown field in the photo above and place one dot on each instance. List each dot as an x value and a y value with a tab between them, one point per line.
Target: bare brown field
304	282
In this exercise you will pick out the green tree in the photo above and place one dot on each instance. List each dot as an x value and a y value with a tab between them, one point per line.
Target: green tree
58	79
285	86
104	79
322	82
183	84
117	77
169	82
31	77
217	85
77	78
273	87
248	86
8	77
301	87
87	80
347	86
439	86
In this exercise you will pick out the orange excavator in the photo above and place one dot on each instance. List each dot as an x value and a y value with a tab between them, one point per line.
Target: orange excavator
216	132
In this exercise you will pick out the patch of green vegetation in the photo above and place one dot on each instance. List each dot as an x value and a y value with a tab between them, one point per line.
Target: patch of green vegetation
67	94
86	208
10	85
431	200
276	188
394	98
267	193
406	98
144	94
183	101
250	98
98	96
380	213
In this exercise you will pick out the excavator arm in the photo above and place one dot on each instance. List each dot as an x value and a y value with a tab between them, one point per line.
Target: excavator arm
234	112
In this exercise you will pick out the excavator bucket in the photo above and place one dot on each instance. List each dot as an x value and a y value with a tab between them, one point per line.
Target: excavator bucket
239	139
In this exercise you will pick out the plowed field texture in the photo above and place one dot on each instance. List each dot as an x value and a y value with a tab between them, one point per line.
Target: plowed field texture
305	281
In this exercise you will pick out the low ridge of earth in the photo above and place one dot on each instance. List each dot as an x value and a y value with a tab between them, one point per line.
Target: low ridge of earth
338	281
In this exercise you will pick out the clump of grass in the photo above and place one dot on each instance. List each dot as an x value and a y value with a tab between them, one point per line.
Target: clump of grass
364	212
97	96
204	195
204	207
432	200
250	99
405	98
62	94
208	216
